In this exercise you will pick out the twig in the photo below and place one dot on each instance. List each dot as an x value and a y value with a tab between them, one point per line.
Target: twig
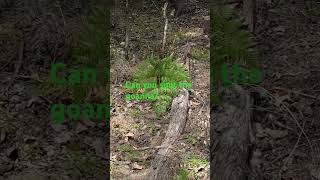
165	26
127	32
64	20
156	147
25	77
294	147
290	74
290	113
299	93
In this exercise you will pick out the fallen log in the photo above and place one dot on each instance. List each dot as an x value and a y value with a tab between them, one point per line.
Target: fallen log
230	128
163	165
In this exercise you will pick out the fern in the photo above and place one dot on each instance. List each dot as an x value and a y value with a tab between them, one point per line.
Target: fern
154	69
231	44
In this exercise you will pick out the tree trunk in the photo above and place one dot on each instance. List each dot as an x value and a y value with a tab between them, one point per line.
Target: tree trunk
230	138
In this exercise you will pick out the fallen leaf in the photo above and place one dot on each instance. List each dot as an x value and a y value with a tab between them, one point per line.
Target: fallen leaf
63	137
58	127
29	139
80	128
276	134
136	166
129	135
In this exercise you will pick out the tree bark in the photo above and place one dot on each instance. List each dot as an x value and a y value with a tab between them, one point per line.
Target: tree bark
230	136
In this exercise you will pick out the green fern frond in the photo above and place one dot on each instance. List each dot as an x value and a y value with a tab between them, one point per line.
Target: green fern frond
231	44
167	69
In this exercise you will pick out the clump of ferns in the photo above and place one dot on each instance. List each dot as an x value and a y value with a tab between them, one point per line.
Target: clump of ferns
161	70
230	44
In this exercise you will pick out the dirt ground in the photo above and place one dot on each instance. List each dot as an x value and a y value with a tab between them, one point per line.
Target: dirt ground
135	128
32	146
286	121
287	144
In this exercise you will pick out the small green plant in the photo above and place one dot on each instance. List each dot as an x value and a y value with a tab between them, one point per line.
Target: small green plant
129	152
194	162
200	53
136	126
135	112
152	128
167	69
191	139
182	175
177	37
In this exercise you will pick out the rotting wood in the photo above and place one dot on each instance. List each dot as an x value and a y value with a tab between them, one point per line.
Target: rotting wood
230	139
163	165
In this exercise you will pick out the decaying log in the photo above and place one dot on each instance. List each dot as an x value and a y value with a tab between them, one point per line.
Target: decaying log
230	138
162	167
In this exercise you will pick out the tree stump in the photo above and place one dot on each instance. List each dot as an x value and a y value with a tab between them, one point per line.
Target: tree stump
230	136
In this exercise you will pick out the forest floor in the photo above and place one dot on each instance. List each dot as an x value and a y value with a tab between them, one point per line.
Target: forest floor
32	146
287	123
287	138
136	131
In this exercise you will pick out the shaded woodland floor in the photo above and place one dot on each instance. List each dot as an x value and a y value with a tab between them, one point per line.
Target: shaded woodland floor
32	146
286	123
287	142
136	130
